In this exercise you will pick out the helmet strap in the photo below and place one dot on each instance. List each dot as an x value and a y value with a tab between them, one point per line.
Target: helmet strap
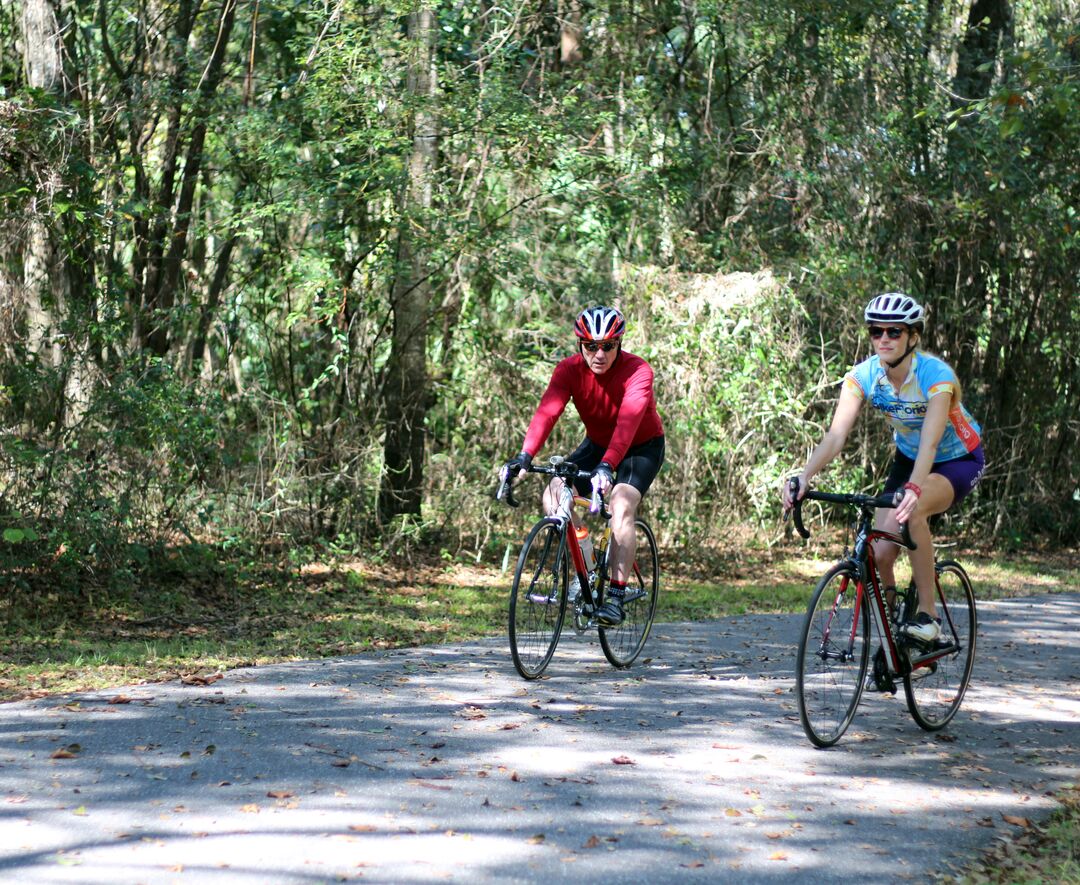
892	364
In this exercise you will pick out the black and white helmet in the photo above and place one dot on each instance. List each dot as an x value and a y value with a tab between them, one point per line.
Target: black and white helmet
600	324
895	307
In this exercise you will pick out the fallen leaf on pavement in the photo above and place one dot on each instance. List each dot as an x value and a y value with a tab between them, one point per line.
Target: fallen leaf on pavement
623	760
472	713
200	679
429	785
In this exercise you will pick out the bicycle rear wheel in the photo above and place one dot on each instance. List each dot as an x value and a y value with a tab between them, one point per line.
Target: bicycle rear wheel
941	671
833	653
622	644
538	598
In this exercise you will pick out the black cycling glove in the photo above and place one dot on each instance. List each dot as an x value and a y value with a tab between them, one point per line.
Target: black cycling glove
605	471
516	464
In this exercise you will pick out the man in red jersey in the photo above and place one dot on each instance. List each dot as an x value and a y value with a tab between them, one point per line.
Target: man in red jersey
612	391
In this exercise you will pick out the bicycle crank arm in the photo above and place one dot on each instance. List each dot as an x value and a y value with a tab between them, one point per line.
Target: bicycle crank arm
930	657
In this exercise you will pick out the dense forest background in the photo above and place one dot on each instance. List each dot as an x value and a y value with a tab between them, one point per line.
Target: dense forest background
295	273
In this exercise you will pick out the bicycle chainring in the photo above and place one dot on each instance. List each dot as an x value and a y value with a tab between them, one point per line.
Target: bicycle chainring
883	682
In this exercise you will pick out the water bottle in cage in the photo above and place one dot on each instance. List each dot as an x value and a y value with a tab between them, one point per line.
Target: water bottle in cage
585	542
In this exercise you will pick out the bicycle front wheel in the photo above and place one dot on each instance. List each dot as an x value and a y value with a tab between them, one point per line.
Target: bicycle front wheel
940	673
833	653
538	598
622	644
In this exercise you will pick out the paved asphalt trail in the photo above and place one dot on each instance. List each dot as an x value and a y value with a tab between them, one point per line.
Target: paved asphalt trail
439	763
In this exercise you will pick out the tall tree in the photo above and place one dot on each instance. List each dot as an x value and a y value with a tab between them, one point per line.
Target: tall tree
44	278
406	392
962	276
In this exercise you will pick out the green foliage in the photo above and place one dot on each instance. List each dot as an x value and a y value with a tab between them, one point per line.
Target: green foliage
104	495
202	261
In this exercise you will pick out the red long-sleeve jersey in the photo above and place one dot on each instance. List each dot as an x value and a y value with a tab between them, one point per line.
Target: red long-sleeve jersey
618	408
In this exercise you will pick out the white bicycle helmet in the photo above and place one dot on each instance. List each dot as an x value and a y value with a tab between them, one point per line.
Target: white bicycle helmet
600	324
895	307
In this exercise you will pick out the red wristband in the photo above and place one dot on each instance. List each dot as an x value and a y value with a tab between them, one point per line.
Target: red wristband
914	488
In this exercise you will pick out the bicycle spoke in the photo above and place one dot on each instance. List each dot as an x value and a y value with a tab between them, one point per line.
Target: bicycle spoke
538	599
622	644
832	657
937	683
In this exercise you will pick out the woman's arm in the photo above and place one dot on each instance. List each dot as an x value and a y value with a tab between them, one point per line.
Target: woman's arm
832	443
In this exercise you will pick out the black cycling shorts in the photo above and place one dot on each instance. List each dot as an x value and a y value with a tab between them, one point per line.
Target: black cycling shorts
638	467
962	473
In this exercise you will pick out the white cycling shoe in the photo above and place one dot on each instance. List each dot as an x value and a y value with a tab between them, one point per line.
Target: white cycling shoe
924	628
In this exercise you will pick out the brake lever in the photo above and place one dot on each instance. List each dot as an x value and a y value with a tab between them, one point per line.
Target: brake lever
905	535
597	498
796	508
505	492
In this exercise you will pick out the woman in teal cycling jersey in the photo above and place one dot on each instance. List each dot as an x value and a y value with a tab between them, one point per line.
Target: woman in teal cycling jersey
939	456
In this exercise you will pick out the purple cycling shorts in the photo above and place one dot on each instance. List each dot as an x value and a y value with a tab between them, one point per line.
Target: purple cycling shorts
962	473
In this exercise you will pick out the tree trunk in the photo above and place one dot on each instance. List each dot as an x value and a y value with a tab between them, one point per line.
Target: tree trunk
58	265
406	390
169	241
44	281
960	276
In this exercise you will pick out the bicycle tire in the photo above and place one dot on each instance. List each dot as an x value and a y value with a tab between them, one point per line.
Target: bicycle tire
622	644
538	598
936	688
834	650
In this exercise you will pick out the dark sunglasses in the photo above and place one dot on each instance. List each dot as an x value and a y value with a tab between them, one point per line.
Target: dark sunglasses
893	332
593	346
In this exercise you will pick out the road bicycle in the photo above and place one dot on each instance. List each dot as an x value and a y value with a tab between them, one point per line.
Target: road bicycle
834	647
539	595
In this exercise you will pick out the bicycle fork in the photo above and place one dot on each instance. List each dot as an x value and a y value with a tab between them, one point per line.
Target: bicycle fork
846	652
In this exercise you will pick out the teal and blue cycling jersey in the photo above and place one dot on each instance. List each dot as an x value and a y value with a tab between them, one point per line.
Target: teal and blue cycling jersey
906	408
